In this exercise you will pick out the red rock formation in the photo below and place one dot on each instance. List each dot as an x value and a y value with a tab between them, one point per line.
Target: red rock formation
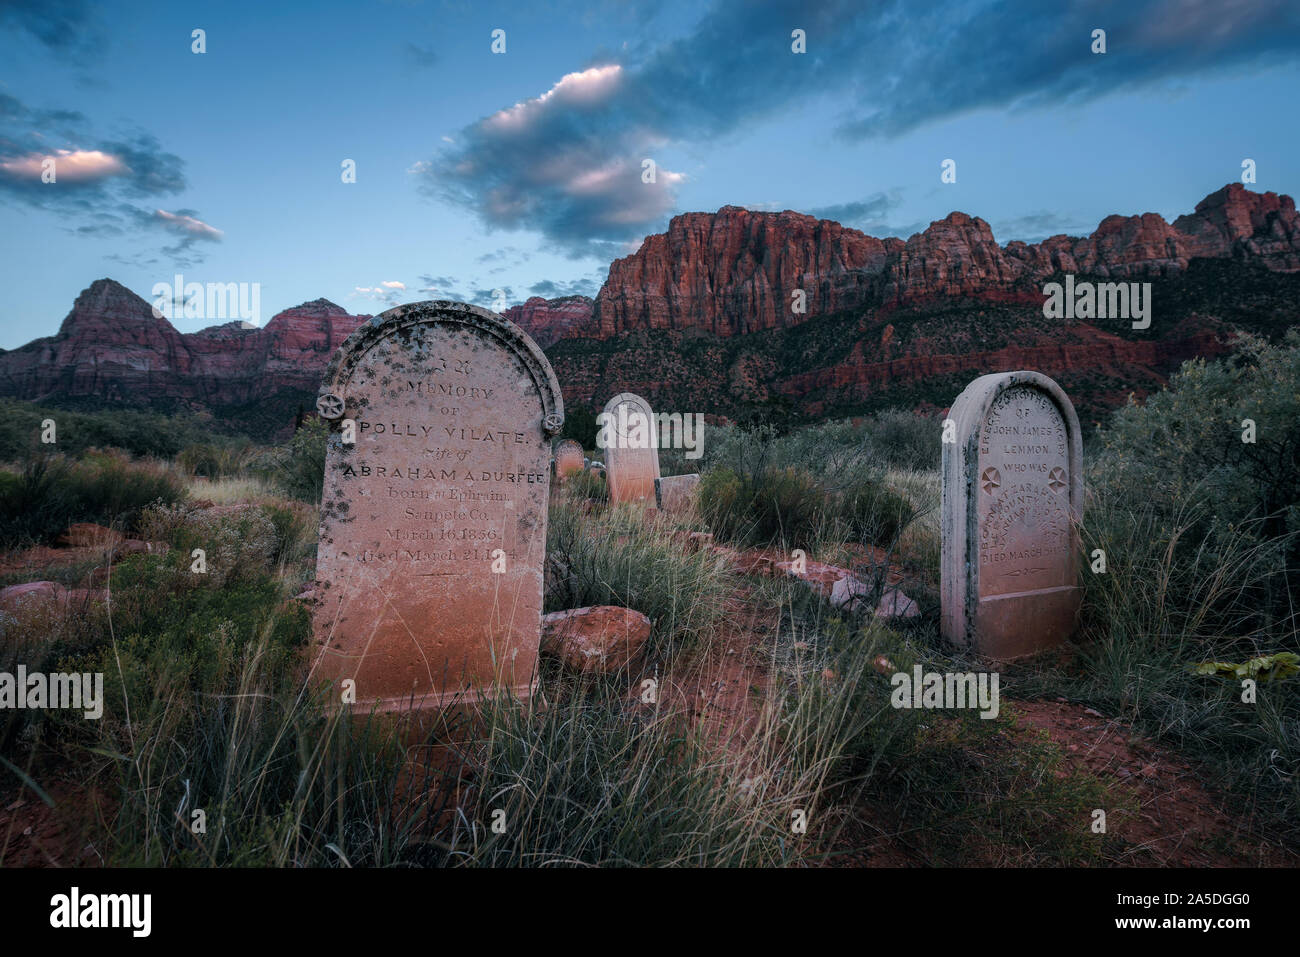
112	347
733	271
721	273
550	320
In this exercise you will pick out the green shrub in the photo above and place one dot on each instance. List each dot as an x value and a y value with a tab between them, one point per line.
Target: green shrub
772	506
1187	441
589	485
723	503
50	493
874	514
612	557
210	461
298	467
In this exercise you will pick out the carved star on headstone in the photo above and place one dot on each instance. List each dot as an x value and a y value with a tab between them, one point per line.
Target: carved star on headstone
992	479
329	405
1056	479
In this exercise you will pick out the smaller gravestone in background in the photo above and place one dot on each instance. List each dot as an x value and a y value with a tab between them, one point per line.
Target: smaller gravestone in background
433	516
676	493
632	449
568	459
1011	502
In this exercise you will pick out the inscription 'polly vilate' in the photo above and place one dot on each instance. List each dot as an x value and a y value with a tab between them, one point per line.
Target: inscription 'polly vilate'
1012	498
433	522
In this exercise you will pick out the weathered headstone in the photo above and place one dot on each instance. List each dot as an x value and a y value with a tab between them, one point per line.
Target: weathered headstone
632	449
1011	502
433	521
568	459
676	493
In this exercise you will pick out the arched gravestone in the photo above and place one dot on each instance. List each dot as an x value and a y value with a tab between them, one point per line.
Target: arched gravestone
568	459
1011	502
433	523
632	454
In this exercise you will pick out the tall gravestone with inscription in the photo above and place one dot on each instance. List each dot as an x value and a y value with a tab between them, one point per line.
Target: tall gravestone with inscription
1012	499
433	517
631	442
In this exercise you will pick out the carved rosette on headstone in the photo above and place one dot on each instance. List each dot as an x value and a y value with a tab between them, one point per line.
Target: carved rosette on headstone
568	459
1012	501
433	522
632	452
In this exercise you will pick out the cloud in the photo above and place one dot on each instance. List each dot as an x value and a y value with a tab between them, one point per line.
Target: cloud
98	180
489	297
1033	56
70	166
421	56
59	24
870	215
567	162
184	222
572	287
1035	227
439	287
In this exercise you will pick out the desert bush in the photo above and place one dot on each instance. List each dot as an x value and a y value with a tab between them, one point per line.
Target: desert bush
874	513
792	507
135	432
211	461
49	493
298	467
612	557
1199	535
237	541
588	485
901	439
296	525
1186	442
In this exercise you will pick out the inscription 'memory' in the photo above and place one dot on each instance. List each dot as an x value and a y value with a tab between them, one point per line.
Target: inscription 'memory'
433	523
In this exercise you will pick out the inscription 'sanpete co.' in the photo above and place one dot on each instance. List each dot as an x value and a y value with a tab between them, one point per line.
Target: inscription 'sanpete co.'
1012	500
433	523
632	460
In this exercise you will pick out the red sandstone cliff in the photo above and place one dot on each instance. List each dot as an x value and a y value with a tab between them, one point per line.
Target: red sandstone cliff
734	270
721	273
550	320
111	347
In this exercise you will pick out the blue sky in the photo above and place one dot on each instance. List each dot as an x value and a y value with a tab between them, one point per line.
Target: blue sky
522	170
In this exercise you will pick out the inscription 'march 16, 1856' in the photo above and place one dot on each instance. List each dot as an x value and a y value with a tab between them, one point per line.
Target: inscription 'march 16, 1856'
433	520
1011	503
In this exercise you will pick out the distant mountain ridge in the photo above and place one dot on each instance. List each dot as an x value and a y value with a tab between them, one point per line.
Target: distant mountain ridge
701	314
